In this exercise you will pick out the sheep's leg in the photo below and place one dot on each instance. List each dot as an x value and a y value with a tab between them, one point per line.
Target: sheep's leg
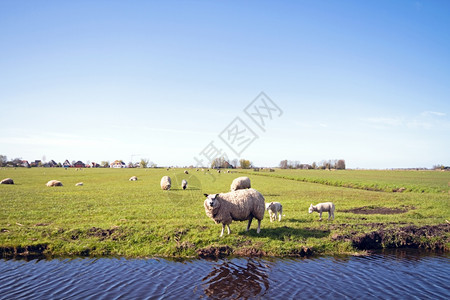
259	226
320	215
228	227
249	223
223	228
271	216
279	216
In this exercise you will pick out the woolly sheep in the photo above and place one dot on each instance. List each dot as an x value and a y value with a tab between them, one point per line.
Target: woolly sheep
240	183
184	184
238	205
275	210
79	184
133	178
54	183
7	181
166	182
321	207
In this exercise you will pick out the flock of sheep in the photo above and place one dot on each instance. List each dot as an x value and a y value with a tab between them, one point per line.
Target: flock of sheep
242	203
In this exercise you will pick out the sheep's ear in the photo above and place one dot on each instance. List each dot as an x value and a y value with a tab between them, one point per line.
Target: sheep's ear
214	196
206	195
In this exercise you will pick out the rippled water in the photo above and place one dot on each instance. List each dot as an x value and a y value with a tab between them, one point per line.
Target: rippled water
398	275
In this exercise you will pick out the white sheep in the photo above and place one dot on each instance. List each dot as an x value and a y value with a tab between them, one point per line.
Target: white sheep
133	178
79	184
166	183
54	183
275	210
7	181
240	183
321	207
238	205
184	184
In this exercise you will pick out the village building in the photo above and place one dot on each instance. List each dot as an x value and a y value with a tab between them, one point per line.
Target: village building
117	164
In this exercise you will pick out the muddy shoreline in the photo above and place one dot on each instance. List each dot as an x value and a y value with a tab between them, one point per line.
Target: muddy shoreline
381	236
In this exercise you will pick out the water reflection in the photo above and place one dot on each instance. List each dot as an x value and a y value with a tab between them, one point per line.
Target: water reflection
240	279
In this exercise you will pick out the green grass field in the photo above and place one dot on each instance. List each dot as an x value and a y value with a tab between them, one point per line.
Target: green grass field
110	215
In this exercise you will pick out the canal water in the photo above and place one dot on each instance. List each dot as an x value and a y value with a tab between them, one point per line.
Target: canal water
394	275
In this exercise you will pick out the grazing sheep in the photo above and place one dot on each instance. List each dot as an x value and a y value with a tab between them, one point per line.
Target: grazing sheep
133	178
218	171
239	205
240	183
7	181
186	172
166	183
275	209
79	184
184	184
54	183
321	207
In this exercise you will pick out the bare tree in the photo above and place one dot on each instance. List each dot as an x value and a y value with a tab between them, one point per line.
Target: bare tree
340	165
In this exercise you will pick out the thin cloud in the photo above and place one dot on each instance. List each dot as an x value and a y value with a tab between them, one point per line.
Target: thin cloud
433	113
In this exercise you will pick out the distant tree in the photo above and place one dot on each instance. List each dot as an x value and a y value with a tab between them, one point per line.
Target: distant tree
3	160
314	165
284	164
143	163
235	163
218	162
245	164
340	165
104	164
152	164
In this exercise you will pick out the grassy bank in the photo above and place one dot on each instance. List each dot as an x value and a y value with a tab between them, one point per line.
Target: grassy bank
110	215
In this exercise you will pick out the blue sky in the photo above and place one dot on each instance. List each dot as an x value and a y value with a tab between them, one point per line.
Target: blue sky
364	81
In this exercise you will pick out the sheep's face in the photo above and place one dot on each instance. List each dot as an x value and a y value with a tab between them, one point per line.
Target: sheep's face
311	208
211	200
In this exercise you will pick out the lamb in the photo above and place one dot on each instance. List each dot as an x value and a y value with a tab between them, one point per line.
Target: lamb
54	183
133	178
275	210
238	205
166	183
240	183
321	207
184	184
7	181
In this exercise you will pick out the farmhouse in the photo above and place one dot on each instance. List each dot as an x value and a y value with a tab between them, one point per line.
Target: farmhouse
117	164
79	164
67	164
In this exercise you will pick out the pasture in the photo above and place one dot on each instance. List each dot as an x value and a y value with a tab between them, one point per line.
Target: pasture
112	216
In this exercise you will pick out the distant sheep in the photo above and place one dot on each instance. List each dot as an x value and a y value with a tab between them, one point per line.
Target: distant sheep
321	207
240	183
186	172
166	183
275	210
184	184
7	181
54	183
79	184
218	171
239	205
133	178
